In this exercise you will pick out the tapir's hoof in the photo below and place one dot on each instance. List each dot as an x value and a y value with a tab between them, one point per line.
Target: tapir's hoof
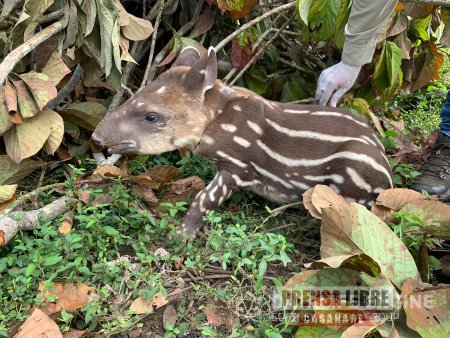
183	234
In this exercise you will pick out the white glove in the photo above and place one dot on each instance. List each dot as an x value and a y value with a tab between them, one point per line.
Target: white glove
337	79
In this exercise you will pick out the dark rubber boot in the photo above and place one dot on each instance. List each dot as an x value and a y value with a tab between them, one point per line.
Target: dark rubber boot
435	178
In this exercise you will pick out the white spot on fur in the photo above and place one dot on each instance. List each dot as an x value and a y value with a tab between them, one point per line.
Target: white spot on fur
378	190
161	90
335	188
237	108
255	127
345	116
208	140
299	185
359	181
313	135
231	159
241	141
212	192
220	180
291	162
362	201
273	177
242	183
228	127
295	111
140	104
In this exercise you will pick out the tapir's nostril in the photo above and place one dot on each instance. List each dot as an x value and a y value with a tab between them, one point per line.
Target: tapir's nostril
96	140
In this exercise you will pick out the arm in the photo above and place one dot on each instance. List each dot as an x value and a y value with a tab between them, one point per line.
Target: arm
366	21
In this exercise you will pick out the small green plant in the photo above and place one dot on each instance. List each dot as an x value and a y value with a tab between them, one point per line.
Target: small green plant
196	165
173	331
404	174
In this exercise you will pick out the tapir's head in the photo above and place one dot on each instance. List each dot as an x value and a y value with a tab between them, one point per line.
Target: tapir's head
167	114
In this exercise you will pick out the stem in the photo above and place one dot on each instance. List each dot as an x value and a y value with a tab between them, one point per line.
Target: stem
10	61
251	23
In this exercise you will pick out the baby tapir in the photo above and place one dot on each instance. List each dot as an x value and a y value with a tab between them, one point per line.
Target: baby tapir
278	150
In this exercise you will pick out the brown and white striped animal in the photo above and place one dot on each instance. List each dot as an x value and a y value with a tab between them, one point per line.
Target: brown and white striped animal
277	150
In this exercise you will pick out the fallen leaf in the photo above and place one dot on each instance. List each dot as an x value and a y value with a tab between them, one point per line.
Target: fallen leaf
184	189
7	192
38	325
319	197
109	170
71	297
40	86
55	68
74	334
140	306
396	198
204	23
27	105
169	315
5	122
212	317
359	262
427	308
6	204
435	215
146	194
11	172
85	114
352	228
66	226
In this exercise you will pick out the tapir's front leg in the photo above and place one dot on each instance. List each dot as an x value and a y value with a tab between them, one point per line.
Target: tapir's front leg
220	188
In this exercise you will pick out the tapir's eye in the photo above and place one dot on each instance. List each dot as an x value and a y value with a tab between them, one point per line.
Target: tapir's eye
152	117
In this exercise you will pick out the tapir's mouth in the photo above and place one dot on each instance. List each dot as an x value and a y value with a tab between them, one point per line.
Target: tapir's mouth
125	147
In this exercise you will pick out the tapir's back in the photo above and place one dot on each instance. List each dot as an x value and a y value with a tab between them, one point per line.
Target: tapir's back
291	147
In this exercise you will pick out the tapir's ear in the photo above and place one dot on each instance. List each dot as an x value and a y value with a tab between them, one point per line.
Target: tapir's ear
188	56
203	74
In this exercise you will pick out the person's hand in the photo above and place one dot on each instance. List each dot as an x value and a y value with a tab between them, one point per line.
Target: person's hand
335	82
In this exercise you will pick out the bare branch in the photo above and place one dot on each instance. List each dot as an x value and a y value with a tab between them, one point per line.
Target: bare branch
152	49
67	89
11	224
17	54
253	22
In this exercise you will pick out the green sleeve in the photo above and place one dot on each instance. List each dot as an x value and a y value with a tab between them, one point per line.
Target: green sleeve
367	19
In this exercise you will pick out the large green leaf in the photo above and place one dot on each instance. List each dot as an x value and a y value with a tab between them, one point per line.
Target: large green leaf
419	28
354	229
90	9
323	17
303	7
108	16
26	139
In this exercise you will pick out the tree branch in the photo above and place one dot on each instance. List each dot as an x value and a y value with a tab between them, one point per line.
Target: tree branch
17	54
11	224
444	3
249	24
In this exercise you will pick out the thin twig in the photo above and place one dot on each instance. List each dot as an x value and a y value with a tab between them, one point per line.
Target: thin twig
261	51
253	22
67	89
296	66
152	49
30	195
10	61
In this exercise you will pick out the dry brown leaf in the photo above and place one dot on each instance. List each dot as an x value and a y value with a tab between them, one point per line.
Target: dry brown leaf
184	189
74	334
6	204
71	297
170	315
146	194
320	197
109	170
65	227
435	215
396	198
213	318
140	306
39	325
143	180
84	196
